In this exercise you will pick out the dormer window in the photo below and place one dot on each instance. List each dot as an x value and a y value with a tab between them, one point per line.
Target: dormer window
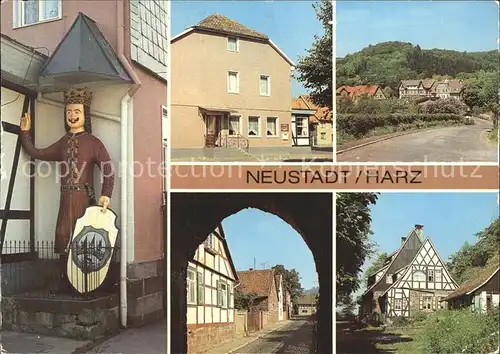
232	44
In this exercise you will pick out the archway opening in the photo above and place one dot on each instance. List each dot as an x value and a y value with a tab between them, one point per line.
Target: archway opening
197	216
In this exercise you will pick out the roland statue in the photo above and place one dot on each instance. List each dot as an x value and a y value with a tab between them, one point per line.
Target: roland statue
77	152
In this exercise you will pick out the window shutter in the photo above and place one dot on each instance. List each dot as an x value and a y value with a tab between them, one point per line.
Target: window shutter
199	289
219	294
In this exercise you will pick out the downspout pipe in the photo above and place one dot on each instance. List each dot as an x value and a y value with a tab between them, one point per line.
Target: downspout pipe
124	132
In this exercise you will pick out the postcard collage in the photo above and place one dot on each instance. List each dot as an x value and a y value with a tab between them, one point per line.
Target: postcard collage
179	176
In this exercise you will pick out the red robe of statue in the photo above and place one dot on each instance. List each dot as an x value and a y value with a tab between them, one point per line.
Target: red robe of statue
77	153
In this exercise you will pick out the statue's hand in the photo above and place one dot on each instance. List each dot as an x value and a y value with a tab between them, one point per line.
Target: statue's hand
26	122
104	202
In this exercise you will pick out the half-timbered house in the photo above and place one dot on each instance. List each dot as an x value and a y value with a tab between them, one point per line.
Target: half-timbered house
413	279
479	293
211	278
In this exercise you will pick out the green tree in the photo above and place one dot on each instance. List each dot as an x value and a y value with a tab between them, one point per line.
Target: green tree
469	258
291	281
378	262
315	69
353	240
244	301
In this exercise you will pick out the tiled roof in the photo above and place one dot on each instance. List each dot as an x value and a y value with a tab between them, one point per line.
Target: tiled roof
456	85
477	280
360	90
221	23
304	102
410	82
256	281
307	299
428	83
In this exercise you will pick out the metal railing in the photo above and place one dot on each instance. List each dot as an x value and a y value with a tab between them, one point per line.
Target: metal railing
234	141
35	270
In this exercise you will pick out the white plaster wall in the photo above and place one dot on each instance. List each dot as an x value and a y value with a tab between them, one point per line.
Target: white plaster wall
495	299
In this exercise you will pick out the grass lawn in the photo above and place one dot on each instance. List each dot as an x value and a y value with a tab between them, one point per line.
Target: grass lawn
409	342
493	136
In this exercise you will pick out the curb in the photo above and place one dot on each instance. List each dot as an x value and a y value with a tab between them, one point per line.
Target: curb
255	338
387	138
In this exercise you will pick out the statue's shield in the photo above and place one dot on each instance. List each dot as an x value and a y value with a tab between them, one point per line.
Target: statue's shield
91	249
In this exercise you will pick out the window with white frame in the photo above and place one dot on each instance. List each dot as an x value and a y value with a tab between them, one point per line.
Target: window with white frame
272	126
253	126
232	82
28	12
265	85
419	276
234	125
398	304
191	286
223	294
301	126
438	275
427	302
430	275
232	44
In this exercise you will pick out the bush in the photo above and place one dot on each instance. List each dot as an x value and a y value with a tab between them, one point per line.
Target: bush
448	105
460	331
401	321
358	125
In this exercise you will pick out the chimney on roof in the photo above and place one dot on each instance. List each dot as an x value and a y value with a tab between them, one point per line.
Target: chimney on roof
250	268
419	227
403	239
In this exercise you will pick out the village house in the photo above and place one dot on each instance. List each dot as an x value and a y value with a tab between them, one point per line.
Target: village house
479	293
267	286
211	279
413	279
431	88
288	305
236	95
306	304
356	92
119	50
311	125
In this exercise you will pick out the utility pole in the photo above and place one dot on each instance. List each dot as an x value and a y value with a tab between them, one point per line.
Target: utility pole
263	265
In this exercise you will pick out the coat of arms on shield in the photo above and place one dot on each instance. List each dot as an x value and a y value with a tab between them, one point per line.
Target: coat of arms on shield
91	249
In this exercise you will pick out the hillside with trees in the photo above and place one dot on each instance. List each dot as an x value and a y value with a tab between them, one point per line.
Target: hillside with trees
471	258
388	63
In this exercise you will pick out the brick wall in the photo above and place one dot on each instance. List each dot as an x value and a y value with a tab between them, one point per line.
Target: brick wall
203	337
272	304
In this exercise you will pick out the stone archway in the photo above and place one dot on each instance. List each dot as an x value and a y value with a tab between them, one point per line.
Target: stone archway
195	215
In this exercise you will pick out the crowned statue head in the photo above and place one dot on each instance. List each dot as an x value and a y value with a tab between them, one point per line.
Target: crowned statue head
77	110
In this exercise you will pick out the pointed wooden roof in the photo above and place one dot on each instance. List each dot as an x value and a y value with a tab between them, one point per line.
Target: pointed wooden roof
84	55
412	232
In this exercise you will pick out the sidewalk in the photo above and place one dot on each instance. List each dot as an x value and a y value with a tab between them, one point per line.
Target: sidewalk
232	346
151	339
18	342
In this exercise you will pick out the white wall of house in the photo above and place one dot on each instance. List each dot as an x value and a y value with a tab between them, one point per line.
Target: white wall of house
210	285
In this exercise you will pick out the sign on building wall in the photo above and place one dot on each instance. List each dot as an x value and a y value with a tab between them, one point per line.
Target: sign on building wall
284	127
149	20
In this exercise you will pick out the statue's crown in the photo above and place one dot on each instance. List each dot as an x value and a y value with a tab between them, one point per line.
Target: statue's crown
78	96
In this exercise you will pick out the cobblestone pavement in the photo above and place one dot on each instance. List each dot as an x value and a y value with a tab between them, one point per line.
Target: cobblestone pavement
451	144
296	337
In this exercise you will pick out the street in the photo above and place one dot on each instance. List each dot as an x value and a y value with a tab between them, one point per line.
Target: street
451	144
295	337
